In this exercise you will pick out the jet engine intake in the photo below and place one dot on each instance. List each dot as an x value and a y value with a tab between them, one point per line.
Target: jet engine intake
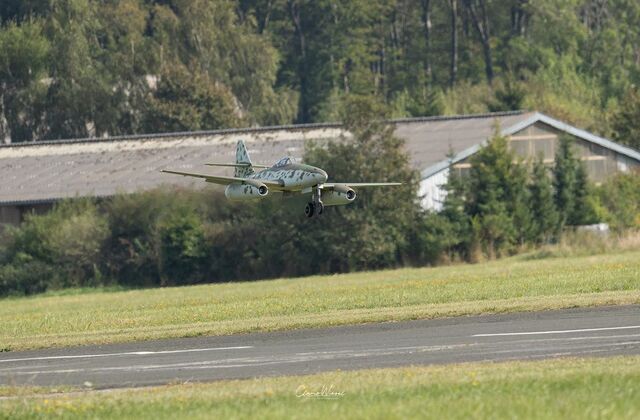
246	192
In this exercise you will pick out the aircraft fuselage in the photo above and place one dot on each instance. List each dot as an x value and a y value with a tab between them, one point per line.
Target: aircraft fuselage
292	176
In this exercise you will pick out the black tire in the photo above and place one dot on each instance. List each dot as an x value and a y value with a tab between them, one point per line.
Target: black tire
309	209
319	208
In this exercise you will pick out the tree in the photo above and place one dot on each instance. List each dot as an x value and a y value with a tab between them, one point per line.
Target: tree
127	53
508	97
583	212
211	39
303	64
626	122
20	11
564	181
458	238
517	200
184	101
620	197
495	195
24	52
427	25
573	195
480	17
131	254
379	223
453	48
180	238
544	217
487	209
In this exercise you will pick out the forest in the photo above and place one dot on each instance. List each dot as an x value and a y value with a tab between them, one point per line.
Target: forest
94	68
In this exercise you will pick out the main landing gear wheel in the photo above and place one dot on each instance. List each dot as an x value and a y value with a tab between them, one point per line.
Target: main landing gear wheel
314	209
309	210
315	206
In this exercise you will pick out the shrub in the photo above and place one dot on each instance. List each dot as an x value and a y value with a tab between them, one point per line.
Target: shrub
59	249
620	199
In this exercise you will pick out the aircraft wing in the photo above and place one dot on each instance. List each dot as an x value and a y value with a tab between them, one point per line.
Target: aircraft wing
225	180
331	185
237	165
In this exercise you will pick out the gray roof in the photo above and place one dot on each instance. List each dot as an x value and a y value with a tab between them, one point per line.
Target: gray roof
40	172
513	125
46	171
430	140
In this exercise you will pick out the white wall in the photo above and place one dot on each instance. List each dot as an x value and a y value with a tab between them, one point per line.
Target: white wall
431	192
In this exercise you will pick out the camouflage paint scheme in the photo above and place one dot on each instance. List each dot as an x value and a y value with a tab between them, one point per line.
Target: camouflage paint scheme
285	177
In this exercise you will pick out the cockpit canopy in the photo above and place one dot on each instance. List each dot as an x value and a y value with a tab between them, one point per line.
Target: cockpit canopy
283	162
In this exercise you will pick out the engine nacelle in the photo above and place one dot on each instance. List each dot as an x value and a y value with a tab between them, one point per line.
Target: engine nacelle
339	195
245	192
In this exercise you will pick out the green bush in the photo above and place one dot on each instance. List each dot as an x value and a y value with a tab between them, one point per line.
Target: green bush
180	236
59	249
25	276
158	237
619	200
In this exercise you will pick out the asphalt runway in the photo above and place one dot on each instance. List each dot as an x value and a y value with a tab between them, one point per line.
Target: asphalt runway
522	336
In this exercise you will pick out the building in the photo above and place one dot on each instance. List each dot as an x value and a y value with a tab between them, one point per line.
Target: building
451	141
35	175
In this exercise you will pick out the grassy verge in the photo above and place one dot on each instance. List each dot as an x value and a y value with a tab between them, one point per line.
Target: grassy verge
515	284
562	388
8	391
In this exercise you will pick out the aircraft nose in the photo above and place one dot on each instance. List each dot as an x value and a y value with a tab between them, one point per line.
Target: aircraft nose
322	176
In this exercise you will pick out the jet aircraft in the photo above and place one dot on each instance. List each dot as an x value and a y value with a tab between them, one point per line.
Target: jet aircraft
284	177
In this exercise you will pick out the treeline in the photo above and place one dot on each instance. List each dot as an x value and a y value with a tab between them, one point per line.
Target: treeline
76	68
505	203
174	236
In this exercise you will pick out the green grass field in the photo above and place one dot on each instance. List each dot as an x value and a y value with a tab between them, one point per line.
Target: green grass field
563	388
514	284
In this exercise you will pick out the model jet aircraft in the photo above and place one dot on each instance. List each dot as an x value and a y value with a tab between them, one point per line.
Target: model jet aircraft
285	177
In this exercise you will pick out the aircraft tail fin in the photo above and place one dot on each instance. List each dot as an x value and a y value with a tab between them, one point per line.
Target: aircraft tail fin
242	157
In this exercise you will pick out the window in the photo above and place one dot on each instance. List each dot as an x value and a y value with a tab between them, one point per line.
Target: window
283	162
544	147
520	147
